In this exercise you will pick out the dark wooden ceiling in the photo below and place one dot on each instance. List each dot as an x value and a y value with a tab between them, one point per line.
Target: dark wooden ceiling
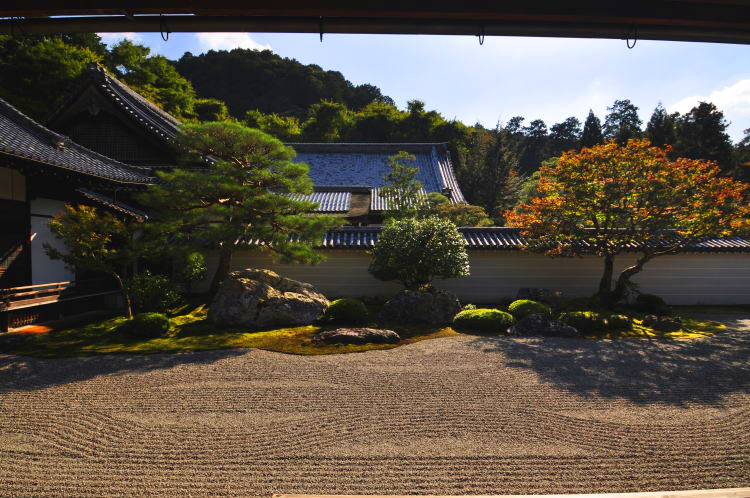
725	21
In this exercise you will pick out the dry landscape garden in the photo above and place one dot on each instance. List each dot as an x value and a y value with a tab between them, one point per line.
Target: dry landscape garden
197	375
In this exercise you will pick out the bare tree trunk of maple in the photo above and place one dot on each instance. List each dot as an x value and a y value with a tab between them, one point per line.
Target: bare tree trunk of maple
623	280
225	264
124	293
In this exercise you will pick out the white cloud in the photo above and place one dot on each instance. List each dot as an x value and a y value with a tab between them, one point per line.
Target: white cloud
228	41
110	38
732	100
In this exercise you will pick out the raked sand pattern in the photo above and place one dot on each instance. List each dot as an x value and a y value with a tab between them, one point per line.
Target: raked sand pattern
453	416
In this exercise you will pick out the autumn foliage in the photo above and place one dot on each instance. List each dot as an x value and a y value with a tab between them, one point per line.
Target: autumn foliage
604	199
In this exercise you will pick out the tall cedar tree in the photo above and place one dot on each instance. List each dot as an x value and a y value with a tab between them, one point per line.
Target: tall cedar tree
660	129
405	194
605	198
701	134
592	131
237	200
94	242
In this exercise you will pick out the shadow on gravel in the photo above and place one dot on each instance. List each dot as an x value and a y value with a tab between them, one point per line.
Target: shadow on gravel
23	373
660	371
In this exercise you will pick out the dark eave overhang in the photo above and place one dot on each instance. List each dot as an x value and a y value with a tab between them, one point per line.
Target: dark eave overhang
723	21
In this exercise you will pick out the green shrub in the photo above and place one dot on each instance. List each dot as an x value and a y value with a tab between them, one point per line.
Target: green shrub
145	325
483	320
524	307
587	322
152	293
652	304
618	322
469	307
346	311
192	268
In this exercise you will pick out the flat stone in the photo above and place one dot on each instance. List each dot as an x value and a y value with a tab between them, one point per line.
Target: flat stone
358	336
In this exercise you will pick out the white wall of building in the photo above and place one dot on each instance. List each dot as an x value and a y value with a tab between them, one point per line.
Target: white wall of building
43	269
682	279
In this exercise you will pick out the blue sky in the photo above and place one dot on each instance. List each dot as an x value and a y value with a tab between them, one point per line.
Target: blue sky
546	78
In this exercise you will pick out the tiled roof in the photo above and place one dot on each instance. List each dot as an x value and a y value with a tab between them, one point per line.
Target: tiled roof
378	202
22	137
329	202
358	164
499	238
114	204
141	110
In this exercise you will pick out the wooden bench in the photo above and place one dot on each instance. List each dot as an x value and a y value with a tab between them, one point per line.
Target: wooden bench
29	304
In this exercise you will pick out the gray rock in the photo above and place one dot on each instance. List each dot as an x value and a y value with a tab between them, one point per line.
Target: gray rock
358	336
433	307
259	298
538	324
663	323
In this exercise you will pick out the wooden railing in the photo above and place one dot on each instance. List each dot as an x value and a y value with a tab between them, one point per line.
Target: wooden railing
29	304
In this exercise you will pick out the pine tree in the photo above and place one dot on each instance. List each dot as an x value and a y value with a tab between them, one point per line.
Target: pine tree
404	192
701	134
592	131
237	200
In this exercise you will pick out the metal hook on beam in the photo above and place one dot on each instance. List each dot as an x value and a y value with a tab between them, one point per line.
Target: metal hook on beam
634	32
163	28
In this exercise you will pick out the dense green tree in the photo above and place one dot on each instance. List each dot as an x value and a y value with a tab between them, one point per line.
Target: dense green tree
38	73
463	215
237	199
415	251
660	129
377	122
210	110
154	77
536	147
622	123
565	136
701	134
285	128
592	131
327	122
742	158
487	169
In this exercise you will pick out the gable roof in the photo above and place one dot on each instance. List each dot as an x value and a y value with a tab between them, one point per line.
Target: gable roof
22	137
366	164
139	109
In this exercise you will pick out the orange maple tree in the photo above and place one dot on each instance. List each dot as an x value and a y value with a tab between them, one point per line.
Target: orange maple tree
609	198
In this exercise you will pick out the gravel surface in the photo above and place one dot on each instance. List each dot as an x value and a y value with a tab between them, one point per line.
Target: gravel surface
454	416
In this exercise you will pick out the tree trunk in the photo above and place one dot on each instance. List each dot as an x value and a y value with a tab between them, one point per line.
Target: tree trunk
125	294
225	264
605	284
623	280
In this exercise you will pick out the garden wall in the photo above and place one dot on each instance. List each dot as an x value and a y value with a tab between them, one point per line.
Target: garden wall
683	279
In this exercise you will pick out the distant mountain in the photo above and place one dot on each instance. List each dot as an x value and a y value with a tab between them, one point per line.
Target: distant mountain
249	79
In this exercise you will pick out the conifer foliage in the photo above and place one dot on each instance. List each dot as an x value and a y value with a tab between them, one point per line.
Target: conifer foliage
237	200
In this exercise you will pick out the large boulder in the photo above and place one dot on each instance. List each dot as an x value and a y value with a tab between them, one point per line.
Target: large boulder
358	336
258	298
433	307
539	324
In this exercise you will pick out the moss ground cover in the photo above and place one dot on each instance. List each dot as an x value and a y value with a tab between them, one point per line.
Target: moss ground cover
191	331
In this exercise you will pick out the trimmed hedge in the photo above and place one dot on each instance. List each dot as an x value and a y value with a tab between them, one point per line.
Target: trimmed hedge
145	325
587	322
524	307
346	311
483	320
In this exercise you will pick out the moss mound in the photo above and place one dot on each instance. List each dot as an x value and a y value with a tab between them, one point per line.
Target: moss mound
483	320
346	312
145	325
524	307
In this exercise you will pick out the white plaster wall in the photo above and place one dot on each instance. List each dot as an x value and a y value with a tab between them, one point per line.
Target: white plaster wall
681	279
43	269
12	185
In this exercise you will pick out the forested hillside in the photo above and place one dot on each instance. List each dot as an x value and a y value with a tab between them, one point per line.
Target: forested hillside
297	102
261	80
